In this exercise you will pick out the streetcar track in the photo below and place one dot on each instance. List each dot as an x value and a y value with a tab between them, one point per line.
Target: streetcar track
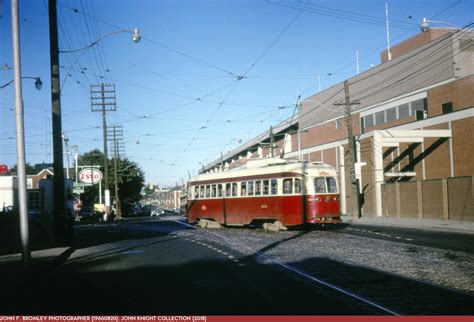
272	260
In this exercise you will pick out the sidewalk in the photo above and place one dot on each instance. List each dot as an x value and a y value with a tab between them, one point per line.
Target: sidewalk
466	227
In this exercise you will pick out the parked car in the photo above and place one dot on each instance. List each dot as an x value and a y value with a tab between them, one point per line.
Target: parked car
87	212
156	211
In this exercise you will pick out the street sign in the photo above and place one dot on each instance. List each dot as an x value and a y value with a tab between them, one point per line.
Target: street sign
3	168
78	190
81	185
90	176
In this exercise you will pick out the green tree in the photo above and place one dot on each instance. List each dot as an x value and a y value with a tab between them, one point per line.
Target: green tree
30	170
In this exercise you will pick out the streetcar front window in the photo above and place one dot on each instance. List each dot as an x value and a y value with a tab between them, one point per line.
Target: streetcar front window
234	189
319	185
219	190
208	191
325	185
196	192
227	189
331	183
213	191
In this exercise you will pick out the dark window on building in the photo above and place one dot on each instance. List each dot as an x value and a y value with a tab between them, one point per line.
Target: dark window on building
447	107
380	117
403	111
391	114
417	105
368	121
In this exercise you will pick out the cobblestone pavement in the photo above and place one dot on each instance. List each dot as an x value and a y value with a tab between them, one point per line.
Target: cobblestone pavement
389	265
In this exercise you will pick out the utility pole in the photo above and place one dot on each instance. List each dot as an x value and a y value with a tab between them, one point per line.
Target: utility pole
222	162
298	106
272	148
103	100
117	134
356	207
59	219
20	139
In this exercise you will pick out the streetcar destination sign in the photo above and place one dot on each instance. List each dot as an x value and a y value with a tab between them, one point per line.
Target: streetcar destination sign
90	176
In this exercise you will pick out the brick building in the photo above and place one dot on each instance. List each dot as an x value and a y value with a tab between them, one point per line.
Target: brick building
413	125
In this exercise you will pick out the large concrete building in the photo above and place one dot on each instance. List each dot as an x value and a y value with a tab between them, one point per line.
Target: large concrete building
413	125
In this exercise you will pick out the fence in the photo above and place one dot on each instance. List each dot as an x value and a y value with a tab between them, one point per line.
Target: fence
445	199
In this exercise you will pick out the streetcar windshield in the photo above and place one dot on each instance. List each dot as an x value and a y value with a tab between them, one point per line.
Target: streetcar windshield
325	185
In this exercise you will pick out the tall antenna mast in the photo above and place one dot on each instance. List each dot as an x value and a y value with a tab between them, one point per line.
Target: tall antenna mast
389	54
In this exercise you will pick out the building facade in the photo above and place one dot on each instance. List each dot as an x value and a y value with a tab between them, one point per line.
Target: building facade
413	122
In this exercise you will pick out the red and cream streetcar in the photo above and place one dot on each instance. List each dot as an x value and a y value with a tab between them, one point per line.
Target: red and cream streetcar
276	191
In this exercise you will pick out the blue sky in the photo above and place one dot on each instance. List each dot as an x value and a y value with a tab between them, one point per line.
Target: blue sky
180	99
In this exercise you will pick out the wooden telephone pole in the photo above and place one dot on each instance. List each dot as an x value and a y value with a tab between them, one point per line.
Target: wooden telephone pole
356	206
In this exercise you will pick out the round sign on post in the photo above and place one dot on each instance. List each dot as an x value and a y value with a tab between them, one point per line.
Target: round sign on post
90	176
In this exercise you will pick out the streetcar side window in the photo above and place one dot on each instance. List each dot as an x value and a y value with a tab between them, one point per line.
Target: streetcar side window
288	186
297	185
208	191
196	192
219	190
201	192
243	189
331	183
234	189
258	188
265	187
274	183
250	188
213	191
227	189
319	186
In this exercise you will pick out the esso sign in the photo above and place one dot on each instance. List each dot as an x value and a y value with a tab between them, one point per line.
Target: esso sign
90	176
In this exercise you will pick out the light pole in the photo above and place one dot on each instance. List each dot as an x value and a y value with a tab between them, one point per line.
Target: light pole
38	82
20	136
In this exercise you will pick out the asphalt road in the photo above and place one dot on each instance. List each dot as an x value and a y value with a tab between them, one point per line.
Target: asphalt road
437	239
145	267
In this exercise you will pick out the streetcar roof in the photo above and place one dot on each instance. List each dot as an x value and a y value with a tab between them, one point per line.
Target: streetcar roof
270	166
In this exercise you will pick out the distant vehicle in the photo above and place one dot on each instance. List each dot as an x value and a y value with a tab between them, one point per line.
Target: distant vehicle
156	211
271	190
87	212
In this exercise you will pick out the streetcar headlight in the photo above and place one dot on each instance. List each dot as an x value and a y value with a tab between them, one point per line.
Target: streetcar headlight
318	199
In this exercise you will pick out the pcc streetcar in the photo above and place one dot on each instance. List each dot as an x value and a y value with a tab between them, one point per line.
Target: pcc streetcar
266	190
